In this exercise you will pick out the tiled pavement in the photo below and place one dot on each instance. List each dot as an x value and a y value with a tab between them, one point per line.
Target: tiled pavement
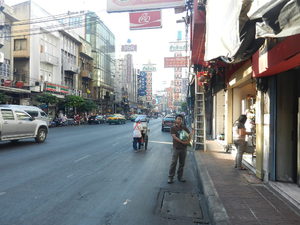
245	198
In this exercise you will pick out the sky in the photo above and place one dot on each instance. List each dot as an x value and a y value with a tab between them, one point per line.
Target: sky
152	44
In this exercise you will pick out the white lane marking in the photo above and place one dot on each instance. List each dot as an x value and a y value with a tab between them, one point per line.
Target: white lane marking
162	142
82	158
71	175
126	202
2	193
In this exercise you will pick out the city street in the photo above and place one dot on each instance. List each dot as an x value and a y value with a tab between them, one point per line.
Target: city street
90	175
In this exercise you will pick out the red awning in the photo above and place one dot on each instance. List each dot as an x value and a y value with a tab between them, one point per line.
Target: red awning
198	35
282	57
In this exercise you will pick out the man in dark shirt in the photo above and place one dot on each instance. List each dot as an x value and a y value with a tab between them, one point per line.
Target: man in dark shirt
179	149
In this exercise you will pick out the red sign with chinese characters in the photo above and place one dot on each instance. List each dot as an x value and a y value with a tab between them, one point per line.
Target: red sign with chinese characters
145	20
176	62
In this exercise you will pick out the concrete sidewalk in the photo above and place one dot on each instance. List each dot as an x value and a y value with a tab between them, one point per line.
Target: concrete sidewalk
237	197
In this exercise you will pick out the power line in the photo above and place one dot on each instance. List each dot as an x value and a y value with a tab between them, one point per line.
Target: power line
57	26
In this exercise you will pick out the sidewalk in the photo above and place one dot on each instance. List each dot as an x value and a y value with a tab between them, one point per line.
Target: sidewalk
237	197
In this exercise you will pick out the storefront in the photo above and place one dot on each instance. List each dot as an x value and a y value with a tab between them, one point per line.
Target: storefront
240	98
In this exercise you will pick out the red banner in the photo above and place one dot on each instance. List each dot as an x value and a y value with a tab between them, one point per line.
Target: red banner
171	62
145	20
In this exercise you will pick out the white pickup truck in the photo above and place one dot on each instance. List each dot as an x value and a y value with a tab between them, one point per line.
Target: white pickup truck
16	124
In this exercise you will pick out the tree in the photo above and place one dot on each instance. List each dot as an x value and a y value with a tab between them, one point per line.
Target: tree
74	101
47	99
3	98
184	107
87	106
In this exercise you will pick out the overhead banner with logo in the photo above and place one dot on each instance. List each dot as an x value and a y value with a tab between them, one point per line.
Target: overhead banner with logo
145	20
135	5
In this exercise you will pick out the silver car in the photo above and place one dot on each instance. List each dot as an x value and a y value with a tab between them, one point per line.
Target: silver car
16	124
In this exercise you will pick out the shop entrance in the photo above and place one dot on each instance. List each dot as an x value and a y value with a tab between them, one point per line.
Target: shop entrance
287	157
244	98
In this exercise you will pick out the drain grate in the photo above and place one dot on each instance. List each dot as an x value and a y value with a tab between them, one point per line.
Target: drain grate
182	206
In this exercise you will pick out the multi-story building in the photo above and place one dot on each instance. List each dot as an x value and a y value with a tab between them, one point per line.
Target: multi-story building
102	41
86	69
36	47
70	44
9	86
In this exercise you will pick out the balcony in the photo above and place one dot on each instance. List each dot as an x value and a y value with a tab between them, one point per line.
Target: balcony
50	59
86	74
70	67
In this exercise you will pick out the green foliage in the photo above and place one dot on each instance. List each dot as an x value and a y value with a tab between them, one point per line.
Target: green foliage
87	106
47	98
3	98
184	107
73	101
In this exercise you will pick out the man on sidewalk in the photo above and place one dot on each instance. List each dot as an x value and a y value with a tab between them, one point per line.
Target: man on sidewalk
179	149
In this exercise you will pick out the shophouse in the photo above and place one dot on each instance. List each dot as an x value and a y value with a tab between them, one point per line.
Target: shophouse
85	83
11	87
251	66
36	47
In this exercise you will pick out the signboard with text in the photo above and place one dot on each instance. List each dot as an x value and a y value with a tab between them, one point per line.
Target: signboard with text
171	62
178	46
145	20
135	5
129	48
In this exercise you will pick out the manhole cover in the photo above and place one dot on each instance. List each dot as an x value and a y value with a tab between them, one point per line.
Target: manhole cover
182	206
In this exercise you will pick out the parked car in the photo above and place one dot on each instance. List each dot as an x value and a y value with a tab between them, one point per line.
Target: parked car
17	124
116	119
167	122
33	111
96	119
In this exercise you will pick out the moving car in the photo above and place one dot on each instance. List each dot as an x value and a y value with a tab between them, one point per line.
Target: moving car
116	119
17	124
33	111
167	122
96	119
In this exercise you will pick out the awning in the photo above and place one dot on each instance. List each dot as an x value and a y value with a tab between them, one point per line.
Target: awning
282	57
14	90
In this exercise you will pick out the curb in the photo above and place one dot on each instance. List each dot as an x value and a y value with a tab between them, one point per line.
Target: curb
216	210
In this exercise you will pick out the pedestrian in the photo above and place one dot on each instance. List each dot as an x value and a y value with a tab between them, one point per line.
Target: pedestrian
179	149
239	140
137	134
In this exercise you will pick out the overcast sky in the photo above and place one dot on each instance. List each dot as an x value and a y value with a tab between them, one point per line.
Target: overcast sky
152	44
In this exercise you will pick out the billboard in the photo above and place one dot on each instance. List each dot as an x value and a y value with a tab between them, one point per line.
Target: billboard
149	67
178	46
145	20
129	48
171	62
135	5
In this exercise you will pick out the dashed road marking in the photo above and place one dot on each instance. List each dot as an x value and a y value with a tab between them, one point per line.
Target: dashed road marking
2	193
82	158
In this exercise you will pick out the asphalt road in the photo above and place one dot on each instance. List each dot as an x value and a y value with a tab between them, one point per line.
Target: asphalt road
90	175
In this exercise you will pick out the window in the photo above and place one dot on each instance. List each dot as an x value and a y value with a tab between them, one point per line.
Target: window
22	116
43	114
20	44
32	113
7	114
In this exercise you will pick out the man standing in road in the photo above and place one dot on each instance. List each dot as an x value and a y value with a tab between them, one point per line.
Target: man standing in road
179	149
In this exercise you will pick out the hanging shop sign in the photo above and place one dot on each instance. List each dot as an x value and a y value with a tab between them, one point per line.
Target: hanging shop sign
129	48
145	20
135	5
171	62
57	88
178	46
149	67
